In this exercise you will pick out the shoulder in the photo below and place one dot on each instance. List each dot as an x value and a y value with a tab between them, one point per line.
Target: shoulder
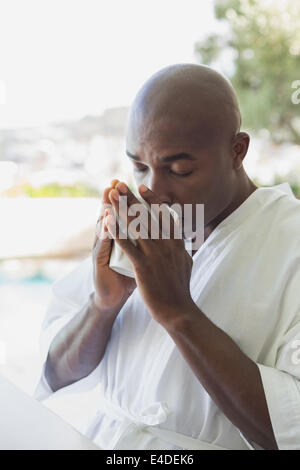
287	218
279	214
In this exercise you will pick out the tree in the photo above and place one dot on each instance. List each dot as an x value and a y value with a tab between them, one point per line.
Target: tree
263	37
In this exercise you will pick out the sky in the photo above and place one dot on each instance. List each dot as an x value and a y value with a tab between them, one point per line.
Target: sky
64	59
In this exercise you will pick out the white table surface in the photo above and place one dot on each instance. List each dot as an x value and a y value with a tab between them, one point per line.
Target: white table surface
26	424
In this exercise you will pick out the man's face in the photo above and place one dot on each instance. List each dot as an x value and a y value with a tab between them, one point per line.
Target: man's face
182	162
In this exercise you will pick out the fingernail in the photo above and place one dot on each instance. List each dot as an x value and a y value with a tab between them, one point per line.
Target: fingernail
143	188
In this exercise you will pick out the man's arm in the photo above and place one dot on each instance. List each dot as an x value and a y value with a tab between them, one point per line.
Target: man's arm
80	346
230	377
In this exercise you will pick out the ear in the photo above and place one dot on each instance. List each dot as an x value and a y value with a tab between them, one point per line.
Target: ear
240	147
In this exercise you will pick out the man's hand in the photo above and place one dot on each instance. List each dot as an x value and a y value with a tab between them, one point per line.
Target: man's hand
162	267
111	288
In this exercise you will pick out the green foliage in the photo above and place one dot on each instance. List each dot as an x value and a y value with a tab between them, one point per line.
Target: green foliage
264	38
57	190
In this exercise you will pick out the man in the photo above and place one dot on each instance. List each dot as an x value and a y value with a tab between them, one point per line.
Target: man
203	352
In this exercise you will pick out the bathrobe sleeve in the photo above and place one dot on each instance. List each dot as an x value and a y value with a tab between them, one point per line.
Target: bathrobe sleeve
281	376
282	381
69	295
282	390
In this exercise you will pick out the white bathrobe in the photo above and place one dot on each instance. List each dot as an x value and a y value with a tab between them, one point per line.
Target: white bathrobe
246	280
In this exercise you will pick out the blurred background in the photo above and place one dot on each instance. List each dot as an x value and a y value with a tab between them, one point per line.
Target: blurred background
69	70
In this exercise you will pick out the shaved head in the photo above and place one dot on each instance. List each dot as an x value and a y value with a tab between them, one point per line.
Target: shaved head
190	92
184	140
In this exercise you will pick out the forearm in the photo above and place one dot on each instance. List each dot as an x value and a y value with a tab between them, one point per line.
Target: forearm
80	346
230	377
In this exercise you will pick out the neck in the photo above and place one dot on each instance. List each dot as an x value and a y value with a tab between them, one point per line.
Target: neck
244	189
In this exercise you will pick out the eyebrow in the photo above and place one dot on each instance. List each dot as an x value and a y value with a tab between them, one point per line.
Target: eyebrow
170	158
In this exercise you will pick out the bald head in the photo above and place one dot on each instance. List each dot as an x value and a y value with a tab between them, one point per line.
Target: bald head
194	94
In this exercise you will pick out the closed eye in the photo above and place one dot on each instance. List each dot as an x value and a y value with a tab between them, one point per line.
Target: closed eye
180	174
142	170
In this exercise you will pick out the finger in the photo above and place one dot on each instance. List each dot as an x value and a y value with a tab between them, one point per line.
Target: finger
140	207
103	246
134	219
114	182
105	204
106	191
168	218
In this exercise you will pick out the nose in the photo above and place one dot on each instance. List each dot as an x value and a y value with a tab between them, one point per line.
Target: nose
157	184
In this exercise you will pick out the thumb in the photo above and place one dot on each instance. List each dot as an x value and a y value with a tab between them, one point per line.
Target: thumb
102	245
